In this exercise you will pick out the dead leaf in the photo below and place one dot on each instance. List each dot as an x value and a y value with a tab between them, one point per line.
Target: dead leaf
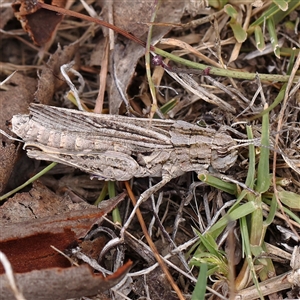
125	57
38	203
40	24
131	17
27	244
61	284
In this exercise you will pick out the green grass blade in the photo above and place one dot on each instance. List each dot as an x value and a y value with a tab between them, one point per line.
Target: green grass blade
290	199
112	193
273	36
272	212
292	61
256	232
218	4
168	106
200	287
236	214
259	38
251	168
281	14
277	100
102	195
247	249
282	4
32	179
227	187
231	12
263	178
272	10
209	243
288	212
239	33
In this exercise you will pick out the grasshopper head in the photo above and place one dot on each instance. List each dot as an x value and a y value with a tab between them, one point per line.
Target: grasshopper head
20	125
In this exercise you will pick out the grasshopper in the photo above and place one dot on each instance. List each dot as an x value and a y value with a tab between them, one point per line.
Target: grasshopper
113	147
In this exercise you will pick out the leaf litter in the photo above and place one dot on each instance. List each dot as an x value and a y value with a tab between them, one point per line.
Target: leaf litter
205	37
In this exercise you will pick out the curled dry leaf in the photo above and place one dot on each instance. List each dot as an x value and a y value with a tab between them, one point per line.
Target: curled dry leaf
41	23
61	284
41	272
27	244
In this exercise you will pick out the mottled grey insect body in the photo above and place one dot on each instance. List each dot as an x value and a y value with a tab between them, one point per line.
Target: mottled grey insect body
119	148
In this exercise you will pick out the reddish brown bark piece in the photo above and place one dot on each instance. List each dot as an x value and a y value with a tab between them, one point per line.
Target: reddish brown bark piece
40	24
27	244
57	283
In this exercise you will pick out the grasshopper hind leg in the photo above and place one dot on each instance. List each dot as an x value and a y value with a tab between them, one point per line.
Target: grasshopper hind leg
143	197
